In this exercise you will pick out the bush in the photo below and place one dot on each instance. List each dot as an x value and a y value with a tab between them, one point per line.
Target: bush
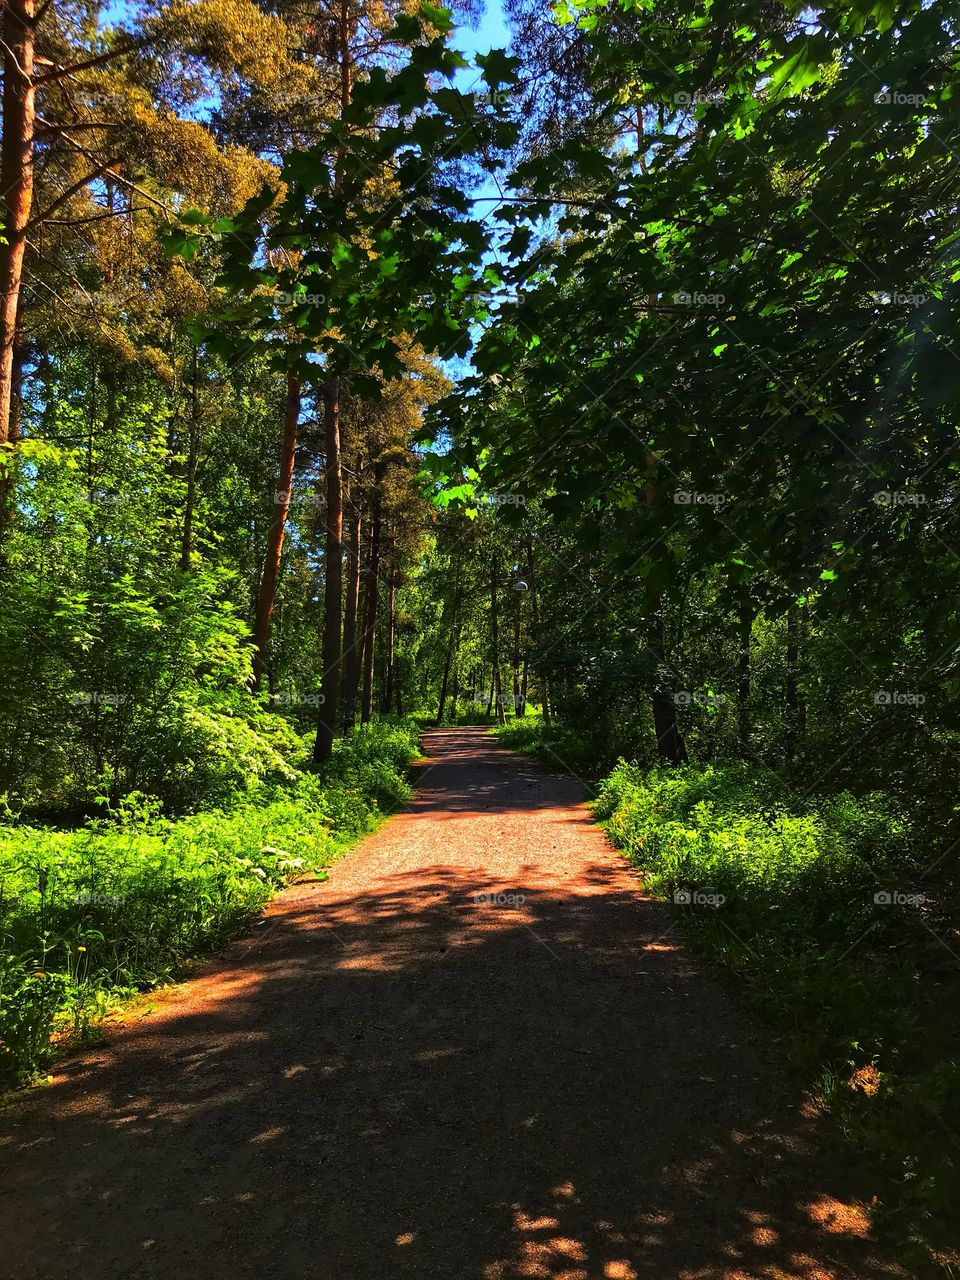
92	915
556	744
783	892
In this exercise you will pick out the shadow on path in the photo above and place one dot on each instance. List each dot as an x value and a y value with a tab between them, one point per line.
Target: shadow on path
476	1052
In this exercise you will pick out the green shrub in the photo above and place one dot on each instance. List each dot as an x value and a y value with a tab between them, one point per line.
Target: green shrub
89	916
782	891
556	744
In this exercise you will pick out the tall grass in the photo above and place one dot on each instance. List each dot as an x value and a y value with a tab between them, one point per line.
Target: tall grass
92	915
818	905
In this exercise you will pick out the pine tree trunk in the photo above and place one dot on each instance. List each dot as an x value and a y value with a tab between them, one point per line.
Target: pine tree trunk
16	184
517	711
351	647
267	594
333	569
371	604
391	641
446	672
455	683
496	685
670	746
535	628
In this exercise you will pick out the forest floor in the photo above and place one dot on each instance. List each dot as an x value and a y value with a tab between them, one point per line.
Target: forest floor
476	1051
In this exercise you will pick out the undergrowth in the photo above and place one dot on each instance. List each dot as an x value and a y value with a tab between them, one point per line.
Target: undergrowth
817	905
93	915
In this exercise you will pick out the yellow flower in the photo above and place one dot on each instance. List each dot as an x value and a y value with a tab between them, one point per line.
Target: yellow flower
39	974
81	948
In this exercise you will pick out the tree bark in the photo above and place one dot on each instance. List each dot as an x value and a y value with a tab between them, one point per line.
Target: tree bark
455	680
391	641
446	671
333	556
371	603
670	745
267	594
535	628
351	650
333	569
16	184
515	659
496	684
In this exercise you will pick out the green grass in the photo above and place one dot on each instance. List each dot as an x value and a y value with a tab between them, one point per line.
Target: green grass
553	743
782	892
778	890
93	915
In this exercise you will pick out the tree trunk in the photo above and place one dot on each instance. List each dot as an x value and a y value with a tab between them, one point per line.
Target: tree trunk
186	546
670	746
16	184
515	660
745	619
351	649
535	627
267	594
371	604
16	403
446	671
455	685
391	641
333	570
496	685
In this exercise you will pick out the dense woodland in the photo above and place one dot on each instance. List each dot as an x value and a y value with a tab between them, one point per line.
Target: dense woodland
605	389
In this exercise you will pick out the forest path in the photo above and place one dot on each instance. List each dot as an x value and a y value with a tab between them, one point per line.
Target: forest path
393	1078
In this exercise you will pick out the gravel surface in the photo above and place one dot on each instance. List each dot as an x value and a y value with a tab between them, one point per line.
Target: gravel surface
477	1051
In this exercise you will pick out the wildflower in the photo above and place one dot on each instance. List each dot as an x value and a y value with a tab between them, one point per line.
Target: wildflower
81	948
39	974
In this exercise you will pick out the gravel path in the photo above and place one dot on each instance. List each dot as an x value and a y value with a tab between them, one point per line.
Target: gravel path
475	1053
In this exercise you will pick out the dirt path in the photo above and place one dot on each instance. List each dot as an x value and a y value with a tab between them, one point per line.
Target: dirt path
395	1078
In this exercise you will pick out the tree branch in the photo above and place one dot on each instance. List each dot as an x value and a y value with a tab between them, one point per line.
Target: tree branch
94	217
70	191
48	129
51	76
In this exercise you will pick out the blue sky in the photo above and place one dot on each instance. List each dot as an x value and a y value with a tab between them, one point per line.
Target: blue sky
492	32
